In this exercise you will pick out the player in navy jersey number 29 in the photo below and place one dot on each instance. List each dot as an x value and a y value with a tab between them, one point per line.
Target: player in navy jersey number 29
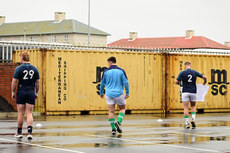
188	78
27	78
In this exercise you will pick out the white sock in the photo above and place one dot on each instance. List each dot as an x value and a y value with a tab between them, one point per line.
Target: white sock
193	116
186	120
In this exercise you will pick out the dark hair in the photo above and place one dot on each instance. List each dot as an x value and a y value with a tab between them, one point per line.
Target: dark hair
112	59
187	63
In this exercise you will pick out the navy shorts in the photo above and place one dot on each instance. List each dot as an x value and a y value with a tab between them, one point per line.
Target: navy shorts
24	97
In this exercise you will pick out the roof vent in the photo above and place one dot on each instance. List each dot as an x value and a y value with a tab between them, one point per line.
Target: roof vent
59	16
2	19
132	36
189	34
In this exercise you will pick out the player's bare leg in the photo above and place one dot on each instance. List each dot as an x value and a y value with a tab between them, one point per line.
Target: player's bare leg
112	118
120	117
29	114
186	114
20	120
193	110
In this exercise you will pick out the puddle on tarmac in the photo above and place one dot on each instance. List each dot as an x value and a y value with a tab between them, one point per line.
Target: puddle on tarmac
70	132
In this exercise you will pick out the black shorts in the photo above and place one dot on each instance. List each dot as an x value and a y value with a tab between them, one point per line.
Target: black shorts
24	97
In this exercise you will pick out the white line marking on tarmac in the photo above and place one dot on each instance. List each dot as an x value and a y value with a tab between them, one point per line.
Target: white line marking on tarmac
145	142
41	146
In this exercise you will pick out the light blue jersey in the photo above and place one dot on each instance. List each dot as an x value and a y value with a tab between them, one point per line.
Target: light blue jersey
115	79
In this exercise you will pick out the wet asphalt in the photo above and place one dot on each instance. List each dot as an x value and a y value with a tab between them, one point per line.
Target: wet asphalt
141	134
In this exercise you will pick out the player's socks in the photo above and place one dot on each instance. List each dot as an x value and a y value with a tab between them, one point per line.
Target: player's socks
193	122
19	133
187	122
30	129
193	116
112	123
186	119
120	117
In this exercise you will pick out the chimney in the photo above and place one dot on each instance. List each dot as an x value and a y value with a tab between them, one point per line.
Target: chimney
59	16
2	19
189	34
132	35
227	43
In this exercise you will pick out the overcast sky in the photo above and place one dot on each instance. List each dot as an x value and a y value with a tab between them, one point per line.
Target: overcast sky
150	18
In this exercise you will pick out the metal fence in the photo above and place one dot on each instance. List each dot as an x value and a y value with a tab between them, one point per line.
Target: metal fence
7	48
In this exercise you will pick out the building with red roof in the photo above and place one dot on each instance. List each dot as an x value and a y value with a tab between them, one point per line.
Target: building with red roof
188	42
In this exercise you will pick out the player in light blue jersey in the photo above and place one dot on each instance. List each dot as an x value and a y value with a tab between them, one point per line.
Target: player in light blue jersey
115	80
27	77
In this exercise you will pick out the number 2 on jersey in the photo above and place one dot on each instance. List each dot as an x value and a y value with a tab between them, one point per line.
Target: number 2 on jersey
189	78
30	73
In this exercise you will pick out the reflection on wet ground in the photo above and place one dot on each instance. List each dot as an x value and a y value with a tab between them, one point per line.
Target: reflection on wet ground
142	133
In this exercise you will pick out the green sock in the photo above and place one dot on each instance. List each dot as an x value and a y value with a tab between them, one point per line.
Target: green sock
120	117
112	123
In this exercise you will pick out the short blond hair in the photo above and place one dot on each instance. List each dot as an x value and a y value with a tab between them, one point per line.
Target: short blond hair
25	56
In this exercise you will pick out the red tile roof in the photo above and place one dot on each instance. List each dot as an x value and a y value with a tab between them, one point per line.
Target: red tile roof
169	42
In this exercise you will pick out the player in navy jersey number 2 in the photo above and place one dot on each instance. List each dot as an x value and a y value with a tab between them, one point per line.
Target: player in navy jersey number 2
27	78
188	78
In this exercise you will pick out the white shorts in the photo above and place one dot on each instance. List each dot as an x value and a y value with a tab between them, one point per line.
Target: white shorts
188	97
116	100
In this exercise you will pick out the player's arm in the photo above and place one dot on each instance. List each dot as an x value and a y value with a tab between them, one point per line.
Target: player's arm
13	87
205	79
178	78
126	84
14	83
177	82
37	83
202	76
102	85
37	87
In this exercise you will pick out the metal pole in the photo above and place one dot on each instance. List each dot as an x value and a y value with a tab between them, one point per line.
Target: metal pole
89	23
3	53
25	29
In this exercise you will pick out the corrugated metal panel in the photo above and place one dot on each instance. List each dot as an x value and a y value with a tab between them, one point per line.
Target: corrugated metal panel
36	58
71	79
218	98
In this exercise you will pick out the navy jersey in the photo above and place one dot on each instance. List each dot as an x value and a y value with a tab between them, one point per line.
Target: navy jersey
188	77
27	75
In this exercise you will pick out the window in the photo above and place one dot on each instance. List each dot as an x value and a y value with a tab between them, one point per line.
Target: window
33	39
66	38
52	39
